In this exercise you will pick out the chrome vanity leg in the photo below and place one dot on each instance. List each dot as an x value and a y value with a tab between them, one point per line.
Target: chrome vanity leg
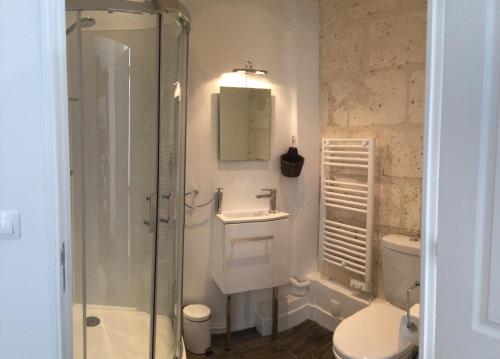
228	322
274	334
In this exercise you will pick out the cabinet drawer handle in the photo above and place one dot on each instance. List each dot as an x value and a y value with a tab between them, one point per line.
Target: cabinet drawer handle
250	239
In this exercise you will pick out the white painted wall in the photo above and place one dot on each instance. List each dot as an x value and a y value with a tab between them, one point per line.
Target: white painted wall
282	37
34	176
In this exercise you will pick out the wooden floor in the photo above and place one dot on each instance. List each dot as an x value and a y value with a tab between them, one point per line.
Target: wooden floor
306	341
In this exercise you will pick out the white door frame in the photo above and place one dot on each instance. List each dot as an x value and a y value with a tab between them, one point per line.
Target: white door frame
53	41
430	188
55	98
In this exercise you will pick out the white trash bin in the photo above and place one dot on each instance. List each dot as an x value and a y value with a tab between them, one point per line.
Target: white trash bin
196	320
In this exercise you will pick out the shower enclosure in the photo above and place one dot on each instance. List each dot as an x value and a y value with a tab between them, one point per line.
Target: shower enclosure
127	99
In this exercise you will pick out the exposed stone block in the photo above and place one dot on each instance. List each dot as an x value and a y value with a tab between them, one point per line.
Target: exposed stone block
411	206
398	39
378	99
349	12
390	5
416	100
402	152
340	103
393	5
324	105
341	51
389	204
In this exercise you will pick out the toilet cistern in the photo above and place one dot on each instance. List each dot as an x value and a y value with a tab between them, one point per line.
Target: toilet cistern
272	198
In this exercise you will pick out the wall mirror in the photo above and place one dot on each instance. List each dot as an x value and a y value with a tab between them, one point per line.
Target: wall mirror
244	124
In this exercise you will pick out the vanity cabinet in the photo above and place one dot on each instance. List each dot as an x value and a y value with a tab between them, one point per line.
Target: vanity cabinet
251	255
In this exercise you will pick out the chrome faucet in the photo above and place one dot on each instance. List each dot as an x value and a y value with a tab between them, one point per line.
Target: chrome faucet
272	198
409	324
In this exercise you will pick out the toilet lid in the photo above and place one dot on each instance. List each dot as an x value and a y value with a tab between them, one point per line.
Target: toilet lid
372	333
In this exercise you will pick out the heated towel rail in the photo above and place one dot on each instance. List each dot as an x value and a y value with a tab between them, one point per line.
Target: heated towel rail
347	196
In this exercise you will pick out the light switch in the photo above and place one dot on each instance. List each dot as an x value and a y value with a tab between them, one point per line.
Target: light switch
9	225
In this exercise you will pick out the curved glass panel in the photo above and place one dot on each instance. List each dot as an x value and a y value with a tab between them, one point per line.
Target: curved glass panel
171	186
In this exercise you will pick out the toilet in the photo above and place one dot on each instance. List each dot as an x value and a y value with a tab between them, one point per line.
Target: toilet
374	332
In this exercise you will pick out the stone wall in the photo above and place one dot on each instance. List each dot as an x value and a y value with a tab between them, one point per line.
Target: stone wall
372	75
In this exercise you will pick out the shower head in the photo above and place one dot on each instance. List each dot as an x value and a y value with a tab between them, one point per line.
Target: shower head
84	22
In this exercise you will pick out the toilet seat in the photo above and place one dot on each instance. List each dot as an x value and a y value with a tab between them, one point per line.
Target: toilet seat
405	355
372	333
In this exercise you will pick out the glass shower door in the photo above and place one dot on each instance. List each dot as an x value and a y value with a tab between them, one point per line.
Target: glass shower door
118	170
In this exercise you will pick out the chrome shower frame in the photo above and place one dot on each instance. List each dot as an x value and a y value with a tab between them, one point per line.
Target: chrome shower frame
85	22
162	8
135	7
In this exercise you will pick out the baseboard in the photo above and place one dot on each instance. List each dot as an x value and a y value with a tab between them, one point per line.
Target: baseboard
327	303
286	320
323	318
295	317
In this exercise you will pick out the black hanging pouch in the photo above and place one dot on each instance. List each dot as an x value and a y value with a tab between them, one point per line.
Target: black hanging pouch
292	162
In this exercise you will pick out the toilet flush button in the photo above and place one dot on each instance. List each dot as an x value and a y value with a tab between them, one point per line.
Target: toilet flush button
9	225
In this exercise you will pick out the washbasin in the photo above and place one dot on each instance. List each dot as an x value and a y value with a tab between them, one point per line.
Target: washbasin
253	215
